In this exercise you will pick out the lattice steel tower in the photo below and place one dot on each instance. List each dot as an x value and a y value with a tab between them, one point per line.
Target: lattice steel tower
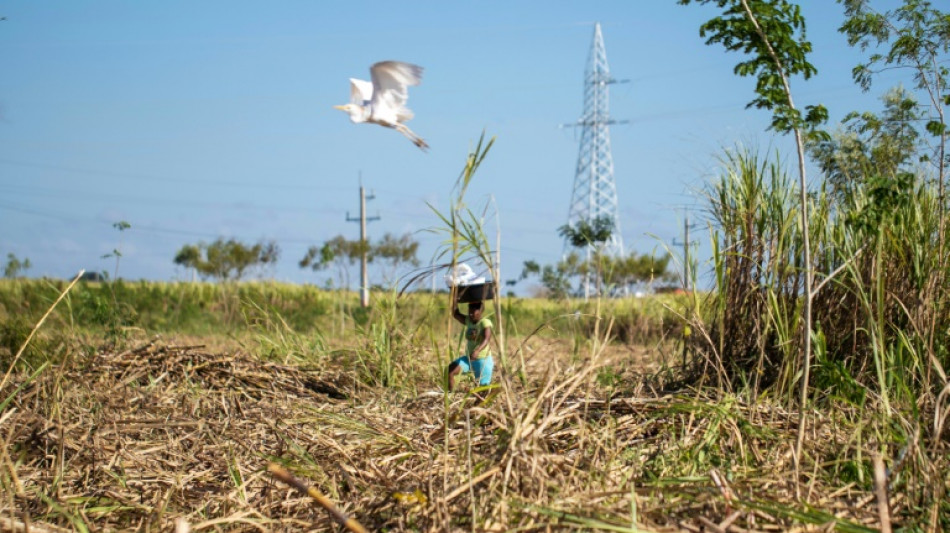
595	193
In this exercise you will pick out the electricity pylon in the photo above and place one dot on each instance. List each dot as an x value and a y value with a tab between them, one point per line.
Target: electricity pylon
595	193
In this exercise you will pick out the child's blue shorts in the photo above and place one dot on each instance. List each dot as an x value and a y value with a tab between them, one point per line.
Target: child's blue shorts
480	367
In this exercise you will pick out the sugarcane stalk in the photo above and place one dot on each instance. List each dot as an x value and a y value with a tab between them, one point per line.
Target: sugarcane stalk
282	474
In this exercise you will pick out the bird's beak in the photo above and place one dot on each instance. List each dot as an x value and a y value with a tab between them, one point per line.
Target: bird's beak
341	108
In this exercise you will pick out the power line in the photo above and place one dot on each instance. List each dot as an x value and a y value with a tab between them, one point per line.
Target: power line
26	210
87	195
165	179
150	201
140	227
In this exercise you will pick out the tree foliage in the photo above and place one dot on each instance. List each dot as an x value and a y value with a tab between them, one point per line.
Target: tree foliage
337	251
873	145
742	27
14	266
588	232
227	259
592	234
914	36
390	252
556	279
633	270
614	275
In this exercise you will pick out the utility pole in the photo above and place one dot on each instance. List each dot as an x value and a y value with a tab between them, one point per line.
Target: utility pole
686	251
364	243
687	274
687	265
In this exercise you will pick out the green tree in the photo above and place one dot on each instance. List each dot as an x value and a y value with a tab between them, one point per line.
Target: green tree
915	36
556	279
618	275
14	266
268	255
227	259
590	234
189	256
872	145
391	252
338	251
626	274
529	268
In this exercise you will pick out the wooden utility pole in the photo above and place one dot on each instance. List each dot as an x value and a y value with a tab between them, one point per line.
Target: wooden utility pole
686	250
364	243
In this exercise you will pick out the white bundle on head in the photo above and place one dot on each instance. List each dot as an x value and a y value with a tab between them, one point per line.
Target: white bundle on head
462	275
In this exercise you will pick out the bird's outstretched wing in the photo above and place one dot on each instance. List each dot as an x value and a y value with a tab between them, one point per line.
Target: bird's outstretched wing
361	92
390	87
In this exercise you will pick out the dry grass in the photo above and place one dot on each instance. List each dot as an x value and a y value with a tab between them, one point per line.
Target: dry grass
160	435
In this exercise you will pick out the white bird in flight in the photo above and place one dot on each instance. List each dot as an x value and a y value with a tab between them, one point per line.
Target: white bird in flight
383	101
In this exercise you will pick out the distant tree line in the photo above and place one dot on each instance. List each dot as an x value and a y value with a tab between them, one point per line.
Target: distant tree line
600	273
390	252
230	259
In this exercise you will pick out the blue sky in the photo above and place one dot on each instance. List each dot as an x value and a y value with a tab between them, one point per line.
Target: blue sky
198	120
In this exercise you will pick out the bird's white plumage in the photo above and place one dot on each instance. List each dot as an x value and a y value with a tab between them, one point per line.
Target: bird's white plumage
361	92
391	81
383	101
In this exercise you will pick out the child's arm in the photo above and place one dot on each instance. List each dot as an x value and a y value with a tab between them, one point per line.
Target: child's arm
484	344
456	313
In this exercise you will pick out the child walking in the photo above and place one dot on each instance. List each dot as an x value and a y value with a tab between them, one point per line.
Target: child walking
477	357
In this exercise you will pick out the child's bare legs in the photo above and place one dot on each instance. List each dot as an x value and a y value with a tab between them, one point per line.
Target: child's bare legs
454	370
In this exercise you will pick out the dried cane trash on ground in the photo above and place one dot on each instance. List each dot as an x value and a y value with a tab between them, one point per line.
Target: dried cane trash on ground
164	437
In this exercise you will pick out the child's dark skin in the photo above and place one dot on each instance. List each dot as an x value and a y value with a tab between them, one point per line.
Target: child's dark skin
474	315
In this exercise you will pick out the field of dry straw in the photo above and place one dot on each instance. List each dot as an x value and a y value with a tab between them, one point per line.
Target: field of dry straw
159	435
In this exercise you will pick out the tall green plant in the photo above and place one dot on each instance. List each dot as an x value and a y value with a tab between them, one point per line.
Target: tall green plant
772	33
885	320
465	235
384	350
757	246
885	242
277	340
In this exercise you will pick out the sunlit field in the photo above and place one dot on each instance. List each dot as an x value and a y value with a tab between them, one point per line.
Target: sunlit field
804	387
146	405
